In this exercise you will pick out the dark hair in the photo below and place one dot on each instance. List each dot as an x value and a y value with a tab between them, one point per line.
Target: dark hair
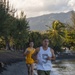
30	42
45	38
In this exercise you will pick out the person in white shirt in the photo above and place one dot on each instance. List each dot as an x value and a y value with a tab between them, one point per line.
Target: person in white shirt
43	56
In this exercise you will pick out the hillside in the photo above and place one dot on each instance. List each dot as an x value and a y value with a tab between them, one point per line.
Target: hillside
38	23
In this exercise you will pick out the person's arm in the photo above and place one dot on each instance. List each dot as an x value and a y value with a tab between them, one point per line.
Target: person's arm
26	52
53	55
34	55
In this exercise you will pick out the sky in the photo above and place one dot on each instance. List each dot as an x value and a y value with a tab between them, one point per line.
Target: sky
34	8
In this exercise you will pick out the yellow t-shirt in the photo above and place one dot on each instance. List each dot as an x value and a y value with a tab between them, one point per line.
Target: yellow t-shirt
29	60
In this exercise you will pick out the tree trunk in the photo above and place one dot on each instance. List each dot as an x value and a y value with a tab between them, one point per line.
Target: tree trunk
7	43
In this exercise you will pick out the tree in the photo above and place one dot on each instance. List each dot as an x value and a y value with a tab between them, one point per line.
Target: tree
70	33
56	35
22	31
3	17
36	37
73	19
12	29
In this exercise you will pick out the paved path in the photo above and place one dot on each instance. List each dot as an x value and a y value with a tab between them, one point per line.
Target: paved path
20	69
15	69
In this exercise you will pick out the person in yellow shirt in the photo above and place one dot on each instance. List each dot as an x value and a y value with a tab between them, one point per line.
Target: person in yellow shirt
29	61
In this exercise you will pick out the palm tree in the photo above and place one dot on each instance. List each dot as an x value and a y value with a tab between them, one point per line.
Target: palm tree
56	34
70	33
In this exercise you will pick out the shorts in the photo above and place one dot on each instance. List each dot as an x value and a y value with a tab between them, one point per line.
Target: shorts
41	72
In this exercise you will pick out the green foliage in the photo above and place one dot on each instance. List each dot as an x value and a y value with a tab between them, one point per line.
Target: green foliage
36	38
13	30
56	35
22	32
69	37
70	33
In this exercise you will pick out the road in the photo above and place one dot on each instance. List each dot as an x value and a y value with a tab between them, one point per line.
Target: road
15	69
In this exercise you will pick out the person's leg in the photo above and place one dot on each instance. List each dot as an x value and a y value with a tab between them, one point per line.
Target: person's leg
47	72
40	72
32	68
29	69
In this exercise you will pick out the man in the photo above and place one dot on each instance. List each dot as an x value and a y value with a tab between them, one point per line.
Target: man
43	56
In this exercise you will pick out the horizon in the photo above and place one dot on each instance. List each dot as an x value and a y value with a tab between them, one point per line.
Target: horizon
50	13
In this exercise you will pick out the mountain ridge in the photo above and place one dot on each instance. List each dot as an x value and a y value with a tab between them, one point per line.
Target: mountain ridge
39	23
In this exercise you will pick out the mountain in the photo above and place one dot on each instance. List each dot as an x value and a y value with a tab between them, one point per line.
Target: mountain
39	23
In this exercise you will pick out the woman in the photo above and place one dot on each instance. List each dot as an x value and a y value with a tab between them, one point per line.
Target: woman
29	61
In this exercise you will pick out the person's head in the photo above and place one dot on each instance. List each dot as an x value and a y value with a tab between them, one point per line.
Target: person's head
31	44
45	42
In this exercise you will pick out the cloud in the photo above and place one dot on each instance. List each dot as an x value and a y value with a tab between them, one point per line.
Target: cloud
40	7
72	4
